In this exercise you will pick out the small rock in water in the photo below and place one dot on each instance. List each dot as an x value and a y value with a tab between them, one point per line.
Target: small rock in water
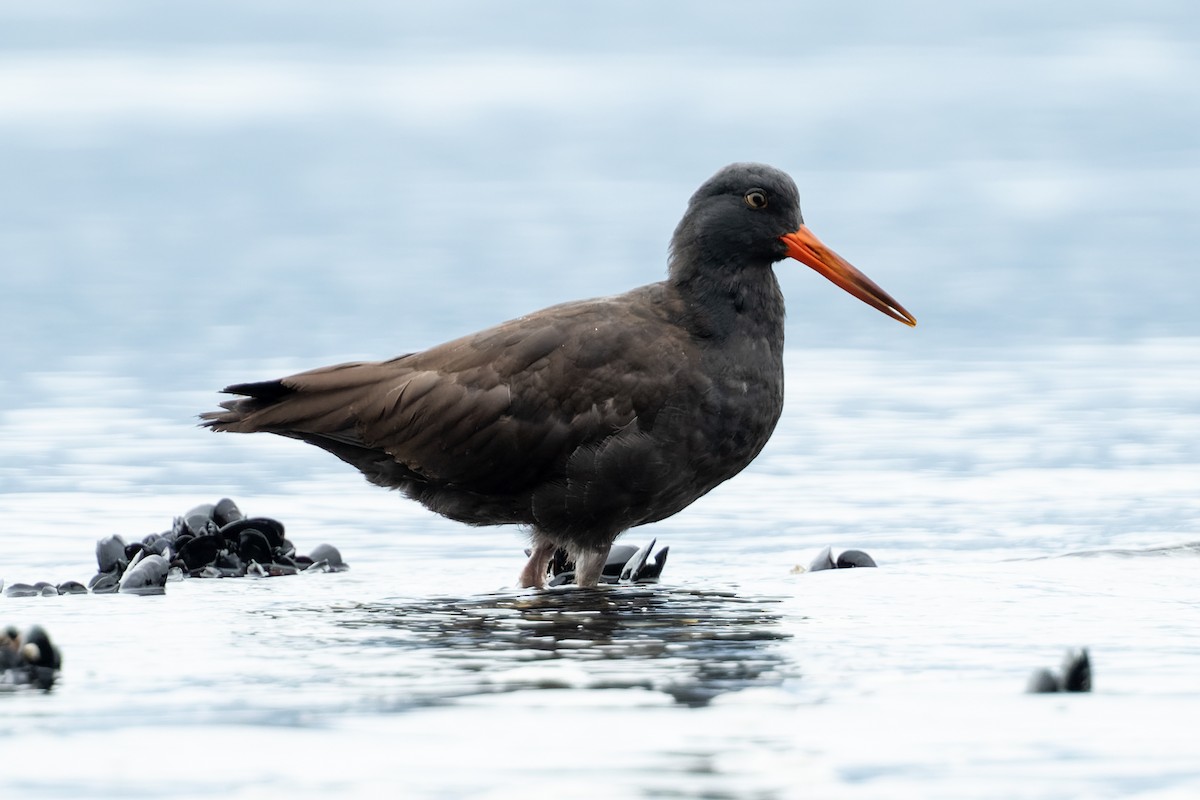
1076	675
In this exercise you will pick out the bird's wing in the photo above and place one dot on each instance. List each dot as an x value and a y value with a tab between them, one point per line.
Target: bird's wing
494	412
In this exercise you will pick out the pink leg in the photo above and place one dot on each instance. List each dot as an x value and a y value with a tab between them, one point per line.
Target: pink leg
534	573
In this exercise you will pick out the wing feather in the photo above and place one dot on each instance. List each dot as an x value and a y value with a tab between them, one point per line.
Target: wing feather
496	412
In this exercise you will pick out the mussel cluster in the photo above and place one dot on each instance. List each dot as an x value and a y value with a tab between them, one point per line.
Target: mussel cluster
27	659
213	540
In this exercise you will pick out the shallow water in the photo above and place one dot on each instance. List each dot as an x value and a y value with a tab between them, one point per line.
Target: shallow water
1070	519
196	195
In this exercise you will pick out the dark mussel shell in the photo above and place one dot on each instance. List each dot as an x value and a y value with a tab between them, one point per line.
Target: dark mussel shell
618	557
624	564
230	565
854	558
650	573
159	546
330	555
270	528
1076	675
635	569
199	521
846	560
1077	671
824	560
147	573
110	553
252	545
47	653
201	551
1043	681
104	582
225	512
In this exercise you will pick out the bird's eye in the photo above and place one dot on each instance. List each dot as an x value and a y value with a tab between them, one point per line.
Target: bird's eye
756	198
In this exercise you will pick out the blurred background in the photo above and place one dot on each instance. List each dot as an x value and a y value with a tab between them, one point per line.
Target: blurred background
198	193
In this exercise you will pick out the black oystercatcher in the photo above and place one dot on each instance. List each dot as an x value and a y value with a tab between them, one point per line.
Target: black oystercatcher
584	419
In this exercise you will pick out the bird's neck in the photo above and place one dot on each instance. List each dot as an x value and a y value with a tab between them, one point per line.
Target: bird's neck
720	304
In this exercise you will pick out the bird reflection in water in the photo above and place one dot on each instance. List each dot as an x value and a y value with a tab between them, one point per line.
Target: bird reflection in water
692	645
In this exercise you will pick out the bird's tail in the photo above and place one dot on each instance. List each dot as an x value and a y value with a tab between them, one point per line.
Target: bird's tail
320	401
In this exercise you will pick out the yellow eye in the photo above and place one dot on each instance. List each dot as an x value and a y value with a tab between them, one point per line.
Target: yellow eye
756	198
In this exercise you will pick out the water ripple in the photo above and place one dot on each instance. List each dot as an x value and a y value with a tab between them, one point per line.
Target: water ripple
689	644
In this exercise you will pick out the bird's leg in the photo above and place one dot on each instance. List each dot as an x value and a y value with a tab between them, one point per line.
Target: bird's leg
534	573
588	566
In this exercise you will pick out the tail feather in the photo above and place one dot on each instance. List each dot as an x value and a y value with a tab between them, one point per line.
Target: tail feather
317	402
318	407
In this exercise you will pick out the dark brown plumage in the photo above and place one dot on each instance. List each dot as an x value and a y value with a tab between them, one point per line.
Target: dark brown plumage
584	419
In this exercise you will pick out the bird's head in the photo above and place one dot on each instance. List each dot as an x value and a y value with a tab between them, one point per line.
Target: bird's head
748	216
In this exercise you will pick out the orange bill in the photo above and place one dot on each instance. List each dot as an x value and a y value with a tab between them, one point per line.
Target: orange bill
806	248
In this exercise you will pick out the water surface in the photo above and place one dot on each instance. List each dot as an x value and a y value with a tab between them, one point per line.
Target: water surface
1069	518
198	196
